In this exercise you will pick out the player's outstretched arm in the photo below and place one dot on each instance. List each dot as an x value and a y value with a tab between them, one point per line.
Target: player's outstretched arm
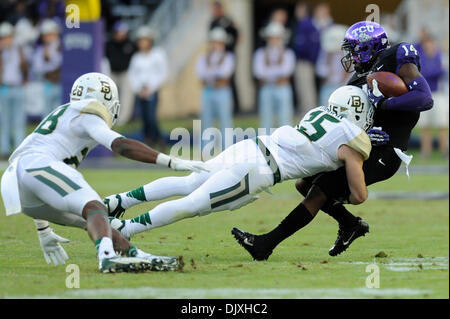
138	151
98	130
355	174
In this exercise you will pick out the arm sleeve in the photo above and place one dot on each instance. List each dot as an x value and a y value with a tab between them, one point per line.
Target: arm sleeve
361	144
406	53
97	129
418	99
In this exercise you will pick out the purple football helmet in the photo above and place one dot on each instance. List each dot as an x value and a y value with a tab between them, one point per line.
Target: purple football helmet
362	43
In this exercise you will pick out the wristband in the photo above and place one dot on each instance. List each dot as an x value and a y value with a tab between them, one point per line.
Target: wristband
41	224
163	160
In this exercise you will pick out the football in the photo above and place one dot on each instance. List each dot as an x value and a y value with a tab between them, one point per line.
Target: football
390	84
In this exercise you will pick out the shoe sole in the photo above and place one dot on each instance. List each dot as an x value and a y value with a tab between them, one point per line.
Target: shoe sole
168	264
135	267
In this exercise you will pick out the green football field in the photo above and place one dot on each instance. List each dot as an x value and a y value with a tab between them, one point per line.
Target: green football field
409	236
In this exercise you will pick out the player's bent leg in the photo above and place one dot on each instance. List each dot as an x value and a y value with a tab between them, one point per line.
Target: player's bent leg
303	186
159	189
50	214
226	189
45	183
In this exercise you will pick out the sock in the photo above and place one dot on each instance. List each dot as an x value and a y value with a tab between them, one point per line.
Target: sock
105	248
340	214
297	219
164	214
162	188
133	197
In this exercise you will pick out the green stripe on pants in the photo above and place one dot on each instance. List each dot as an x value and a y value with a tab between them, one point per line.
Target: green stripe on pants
230	194
54	179
52	185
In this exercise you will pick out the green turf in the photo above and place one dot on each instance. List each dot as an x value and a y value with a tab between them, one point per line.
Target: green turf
400	228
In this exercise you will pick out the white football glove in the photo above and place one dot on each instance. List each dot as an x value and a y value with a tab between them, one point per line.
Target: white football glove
179	164
50	243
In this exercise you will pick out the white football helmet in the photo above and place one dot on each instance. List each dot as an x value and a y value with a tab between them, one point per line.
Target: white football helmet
99	87
351	102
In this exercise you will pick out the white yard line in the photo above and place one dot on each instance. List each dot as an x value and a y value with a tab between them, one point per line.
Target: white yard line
407	264
247	293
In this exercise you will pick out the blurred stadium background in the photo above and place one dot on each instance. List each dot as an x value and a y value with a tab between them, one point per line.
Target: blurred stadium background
49	50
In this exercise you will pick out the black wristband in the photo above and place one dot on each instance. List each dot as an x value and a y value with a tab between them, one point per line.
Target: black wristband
41	229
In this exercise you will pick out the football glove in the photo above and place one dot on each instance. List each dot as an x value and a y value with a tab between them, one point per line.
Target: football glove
375	96
179	164
50	243
378	136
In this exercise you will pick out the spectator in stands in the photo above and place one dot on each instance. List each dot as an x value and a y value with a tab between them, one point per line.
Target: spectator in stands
307	48
13	74
306	44
147	73
280	16
17	11
54	9
273	65
119	51
328	66
437	117
221	20
47	62
215	69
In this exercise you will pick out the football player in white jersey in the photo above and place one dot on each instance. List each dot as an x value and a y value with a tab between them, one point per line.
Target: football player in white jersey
42	181
325	139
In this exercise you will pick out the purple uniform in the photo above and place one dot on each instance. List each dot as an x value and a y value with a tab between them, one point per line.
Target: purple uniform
398	124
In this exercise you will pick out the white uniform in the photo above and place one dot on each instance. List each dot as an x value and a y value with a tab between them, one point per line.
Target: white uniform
312	146
248	167
49	186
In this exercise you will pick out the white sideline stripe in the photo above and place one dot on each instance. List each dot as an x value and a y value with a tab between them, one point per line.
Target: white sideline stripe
233	293
408	264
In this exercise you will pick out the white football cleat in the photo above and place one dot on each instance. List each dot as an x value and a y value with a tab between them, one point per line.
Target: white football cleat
124	264
162	263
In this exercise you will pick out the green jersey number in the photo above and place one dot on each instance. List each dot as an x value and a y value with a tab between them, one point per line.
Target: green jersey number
48	125
316	122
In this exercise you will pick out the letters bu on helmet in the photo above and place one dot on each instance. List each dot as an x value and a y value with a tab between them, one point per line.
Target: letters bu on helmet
351	102
100	87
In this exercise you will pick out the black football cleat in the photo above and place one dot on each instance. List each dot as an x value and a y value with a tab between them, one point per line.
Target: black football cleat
346	235
251	243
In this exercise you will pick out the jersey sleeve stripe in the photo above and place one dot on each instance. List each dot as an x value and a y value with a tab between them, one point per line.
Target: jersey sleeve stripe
98	109
361	144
